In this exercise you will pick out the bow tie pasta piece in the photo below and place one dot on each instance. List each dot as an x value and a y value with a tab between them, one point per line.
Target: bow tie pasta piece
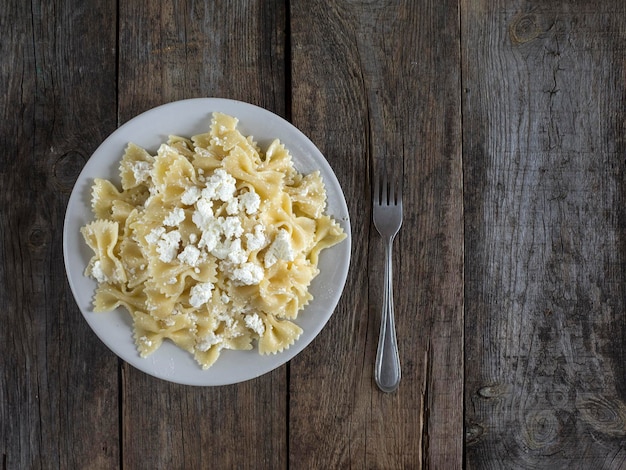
212	243
102	236
135	167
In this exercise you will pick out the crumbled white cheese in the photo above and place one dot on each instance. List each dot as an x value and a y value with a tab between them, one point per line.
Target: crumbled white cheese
248	274
174	218
230	226
193	238
221	250
208	340
200	294
280	249
224	237
236	254
249	202
255	323
145	341
155	234
141	171
189	256
220	186
190	195
224	298
230	251
98	273
232	208
210	238
167	246
203	215
202	152
256	240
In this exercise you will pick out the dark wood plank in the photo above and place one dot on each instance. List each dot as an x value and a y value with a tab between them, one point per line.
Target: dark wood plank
58	384
183	50
374	82
200	49
544	148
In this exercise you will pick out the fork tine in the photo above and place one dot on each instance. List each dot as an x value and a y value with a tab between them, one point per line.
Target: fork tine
376	191
398	191
386	188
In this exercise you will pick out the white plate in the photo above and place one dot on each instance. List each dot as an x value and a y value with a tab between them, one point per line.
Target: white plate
149	130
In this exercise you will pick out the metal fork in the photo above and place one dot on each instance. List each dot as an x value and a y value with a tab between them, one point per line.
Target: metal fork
387	215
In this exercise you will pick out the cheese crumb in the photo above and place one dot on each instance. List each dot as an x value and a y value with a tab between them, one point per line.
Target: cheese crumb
250	202
220	186
167	246
232	208
230	226
256	240
208	340
190	256
98	273
174	218
190	196
200	294
141	171
249	274
280	249
203	215
155	234
255	323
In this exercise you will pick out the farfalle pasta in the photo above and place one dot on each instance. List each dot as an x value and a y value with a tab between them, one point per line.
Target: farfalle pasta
211	243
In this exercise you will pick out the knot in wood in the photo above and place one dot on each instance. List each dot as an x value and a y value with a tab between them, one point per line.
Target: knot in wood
473	432
542	429
66	169
524	28
37	238
605	415
558	398
492	391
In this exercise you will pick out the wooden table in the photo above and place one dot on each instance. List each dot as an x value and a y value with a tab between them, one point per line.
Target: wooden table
507	119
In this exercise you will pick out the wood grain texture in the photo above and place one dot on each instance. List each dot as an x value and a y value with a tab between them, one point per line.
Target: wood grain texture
506	120
194	49
377	91
182	50
57	383
544	112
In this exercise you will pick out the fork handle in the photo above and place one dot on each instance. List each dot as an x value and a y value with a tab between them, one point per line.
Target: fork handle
387	368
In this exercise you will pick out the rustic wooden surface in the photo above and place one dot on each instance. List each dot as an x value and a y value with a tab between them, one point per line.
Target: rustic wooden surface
507	121
545	293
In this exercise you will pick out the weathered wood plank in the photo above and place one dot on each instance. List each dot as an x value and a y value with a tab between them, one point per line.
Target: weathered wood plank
183	50
374	82
57	384
201	49
543	147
